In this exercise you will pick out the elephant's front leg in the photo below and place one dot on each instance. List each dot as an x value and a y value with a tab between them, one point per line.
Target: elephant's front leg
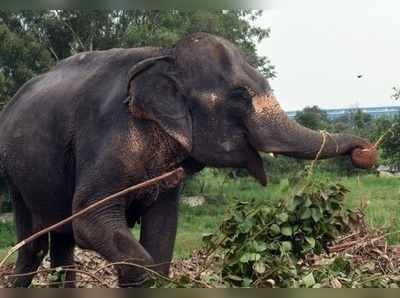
158	228
106	231
112	239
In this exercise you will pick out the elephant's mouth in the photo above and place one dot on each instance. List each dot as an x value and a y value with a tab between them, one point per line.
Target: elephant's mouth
255	166
254	163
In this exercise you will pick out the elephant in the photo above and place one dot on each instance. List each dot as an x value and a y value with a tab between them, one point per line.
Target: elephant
101	121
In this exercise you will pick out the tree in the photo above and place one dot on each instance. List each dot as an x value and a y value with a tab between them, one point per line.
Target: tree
164	28
391	143
21	57
33	41
361	119
396	93
313	117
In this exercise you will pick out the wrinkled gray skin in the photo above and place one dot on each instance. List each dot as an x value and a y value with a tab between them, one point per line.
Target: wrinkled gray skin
102	121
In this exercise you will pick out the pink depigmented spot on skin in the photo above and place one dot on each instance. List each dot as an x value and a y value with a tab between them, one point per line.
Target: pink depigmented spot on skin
134	143
213	97
266	104
135	139
209	100
184	141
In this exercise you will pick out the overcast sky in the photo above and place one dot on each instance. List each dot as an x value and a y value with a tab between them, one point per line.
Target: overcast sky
319	51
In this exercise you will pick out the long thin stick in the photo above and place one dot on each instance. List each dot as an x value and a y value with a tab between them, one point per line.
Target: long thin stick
93	276
178	173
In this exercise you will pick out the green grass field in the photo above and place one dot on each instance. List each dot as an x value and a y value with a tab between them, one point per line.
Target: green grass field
381	194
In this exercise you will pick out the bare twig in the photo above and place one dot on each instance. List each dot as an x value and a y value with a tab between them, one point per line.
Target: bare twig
145	268
359	243
75	35
347	237
155	273
53	53
177	174
93	276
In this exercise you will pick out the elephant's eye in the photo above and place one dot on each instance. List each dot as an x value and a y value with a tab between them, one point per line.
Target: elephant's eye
241	93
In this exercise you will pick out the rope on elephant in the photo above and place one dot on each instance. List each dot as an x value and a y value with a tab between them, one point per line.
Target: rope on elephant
176	175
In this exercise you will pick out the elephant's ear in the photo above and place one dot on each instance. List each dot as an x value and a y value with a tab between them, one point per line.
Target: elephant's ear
155	94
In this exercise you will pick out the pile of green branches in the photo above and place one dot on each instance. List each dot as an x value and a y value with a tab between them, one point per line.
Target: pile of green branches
286	245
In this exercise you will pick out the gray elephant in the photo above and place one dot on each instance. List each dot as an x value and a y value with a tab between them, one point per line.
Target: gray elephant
102	121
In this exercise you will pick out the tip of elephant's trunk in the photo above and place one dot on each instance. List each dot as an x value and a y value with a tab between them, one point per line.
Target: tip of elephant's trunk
364	158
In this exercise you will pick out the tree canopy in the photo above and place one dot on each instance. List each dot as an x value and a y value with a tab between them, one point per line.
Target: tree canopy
33	41
313	117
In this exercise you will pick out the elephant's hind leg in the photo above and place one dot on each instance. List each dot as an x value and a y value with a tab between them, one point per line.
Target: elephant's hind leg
31	255
62	255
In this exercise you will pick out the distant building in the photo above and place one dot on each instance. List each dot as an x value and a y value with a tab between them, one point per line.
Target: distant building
374	112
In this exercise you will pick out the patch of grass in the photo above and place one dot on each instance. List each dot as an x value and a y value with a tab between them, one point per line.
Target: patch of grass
7	234
12	259
381	195
7	239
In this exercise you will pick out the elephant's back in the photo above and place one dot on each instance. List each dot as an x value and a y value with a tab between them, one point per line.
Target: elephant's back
41	106
44	115
50	101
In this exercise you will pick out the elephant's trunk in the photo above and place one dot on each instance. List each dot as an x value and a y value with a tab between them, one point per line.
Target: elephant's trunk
271	130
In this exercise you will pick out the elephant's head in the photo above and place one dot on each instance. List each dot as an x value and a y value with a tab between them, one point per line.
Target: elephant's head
206	96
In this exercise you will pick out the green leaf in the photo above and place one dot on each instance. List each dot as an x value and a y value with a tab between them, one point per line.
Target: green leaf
309	280
274	229
259	246
286	231
234	277
245	226
291	206
238	217
246	282
307	203
247	257
259	267
310	241
306	214
286	246
282	217
298	200
307	229
316	214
